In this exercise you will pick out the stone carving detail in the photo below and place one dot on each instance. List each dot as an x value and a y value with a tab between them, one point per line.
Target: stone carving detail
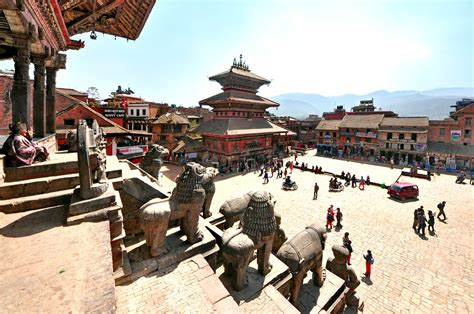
152	161
256	232
302	253
91	158
280	236
210	188
338	265
234	208
185	203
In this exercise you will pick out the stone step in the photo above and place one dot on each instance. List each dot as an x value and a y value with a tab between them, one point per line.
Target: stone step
37	201
9	190
60	164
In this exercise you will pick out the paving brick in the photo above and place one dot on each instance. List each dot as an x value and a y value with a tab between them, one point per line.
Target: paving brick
442	263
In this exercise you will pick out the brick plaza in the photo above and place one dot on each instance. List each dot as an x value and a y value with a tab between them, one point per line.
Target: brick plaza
410	274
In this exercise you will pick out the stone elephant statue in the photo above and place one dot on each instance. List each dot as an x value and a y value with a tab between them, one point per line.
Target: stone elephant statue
256	232
185	203
233	209
302	253
152	161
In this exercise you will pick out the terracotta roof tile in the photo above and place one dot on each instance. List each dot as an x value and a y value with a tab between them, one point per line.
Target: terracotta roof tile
371	121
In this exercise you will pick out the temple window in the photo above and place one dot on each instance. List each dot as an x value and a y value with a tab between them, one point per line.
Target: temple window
69	122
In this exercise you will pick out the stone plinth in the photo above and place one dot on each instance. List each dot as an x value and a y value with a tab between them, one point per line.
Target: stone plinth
330	297
79	206
142	263
269	300
278	276
188	287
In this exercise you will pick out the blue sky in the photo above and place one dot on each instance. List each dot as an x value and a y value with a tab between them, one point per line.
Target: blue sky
327	47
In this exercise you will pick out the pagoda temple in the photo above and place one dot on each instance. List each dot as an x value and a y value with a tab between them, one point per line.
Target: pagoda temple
238	130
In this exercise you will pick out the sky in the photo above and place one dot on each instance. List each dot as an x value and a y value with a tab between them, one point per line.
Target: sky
329	47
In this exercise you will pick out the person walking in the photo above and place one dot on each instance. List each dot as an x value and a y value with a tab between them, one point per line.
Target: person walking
316	189
265	177
391	163
441	210
431	221
291	167
329	218
338	218
361	183
421	222
354	181
369	261
347	243
415	219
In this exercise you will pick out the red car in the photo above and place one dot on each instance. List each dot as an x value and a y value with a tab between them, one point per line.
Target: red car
403	190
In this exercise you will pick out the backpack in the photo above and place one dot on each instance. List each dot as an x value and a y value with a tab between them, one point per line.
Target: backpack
371	261
439	206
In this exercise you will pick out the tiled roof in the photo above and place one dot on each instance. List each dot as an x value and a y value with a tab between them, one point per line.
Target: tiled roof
407	121
171	118
71	92
238	127
371	121
238	96
241	72
328	125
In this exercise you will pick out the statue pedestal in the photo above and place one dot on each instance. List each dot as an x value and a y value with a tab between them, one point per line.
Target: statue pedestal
79	206
331	297
279	277
142	263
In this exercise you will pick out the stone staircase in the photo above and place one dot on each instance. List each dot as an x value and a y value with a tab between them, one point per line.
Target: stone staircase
46	184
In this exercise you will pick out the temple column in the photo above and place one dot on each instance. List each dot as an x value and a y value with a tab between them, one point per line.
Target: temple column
39	125
21	108
51	100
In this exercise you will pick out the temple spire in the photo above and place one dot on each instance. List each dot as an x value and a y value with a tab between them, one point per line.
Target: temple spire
240	64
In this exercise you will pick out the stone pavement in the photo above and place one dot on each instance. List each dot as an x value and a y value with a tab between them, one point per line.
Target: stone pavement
434	274
188	287
46	267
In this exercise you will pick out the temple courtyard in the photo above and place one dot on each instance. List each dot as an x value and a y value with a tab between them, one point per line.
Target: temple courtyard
434	274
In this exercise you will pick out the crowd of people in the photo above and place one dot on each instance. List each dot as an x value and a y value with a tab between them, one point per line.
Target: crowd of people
420	221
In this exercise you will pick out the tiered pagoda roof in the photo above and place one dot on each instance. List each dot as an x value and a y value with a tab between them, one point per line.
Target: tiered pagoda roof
240	85
239	127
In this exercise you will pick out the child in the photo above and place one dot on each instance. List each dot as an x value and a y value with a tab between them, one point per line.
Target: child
369	261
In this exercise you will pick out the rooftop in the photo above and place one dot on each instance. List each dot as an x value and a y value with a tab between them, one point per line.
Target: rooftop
239	127
328	125
171	118
405	121
370	121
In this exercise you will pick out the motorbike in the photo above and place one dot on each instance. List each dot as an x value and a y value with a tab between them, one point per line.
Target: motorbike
460	178
338	188
289	186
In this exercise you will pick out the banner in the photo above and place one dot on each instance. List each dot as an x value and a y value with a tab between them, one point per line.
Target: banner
455	135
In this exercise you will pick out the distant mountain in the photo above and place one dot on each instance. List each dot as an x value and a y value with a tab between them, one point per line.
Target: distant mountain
432	103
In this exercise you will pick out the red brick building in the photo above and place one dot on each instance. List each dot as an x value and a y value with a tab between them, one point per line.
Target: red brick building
358	134
117	137
238	130
451	141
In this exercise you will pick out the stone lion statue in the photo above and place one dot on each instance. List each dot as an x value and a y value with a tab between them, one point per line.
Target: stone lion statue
152	161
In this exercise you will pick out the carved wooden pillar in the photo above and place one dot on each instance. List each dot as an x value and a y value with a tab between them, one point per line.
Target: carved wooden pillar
39	125
51	100
20	91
